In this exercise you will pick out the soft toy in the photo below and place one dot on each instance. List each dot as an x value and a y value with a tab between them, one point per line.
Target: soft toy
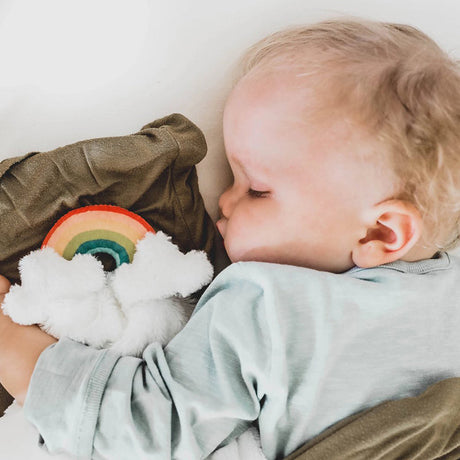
68	291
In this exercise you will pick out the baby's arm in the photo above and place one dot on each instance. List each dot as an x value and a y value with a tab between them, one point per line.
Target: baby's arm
182	402
20	347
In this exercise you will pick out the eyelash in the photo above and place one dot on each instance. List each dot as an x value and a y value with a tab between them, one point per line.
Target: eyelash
257	193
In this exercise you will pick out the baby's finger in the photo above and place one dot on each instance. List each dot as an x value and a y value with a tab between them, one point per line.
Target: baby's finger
4	285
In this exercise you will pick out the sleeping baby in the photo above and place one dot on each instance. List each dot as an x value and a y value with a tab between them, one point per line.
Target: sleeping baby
342	138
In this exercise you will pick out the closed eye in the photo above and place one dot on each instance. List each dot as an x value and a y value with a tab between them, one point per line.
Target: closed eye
257	193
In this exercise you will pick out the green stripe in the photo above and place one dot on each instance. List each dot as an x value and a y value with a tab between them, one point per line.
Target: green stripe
119	243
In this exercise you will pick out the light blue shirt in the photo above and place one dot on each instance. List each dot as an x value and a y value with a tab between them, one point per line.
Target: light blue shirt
294	348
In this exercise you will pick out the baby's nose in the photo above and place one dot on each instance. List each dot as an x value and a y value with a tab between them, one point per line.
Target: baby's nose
226	203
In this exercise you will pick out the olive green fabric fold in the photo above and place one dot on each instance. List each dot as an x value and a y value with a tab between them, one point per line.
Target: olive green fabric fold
425	427
151	173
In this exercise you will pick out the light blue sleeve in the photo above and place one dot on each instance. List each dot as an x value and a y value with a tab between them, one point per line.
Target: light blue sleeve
202	390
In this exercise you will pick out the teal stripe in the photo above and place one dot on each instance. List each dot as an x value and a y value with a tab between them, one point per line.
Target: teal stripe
112	248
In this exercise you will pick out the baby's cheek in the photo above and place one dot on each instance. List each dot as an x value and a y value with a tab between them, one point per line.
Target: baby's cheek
236	239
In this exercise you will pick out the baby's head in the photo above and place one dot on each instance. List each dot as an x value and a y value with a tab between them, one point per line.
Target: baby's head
344	142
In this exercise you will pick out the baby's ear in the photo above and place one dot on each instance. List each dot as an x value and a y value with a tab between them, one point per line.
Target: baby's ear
393	228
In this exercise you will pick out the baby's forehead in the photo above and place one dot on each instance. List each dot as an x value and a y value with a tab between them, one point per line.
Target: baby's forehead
276	113
290	97
321	91
267	89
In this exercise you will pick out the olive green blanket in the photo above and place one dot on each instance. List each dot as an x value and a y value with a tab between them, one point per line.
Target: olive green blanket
425	427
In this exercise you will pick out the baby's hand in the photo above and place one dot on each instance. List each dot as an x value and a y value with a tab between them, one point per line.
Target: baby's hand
4	286
20	347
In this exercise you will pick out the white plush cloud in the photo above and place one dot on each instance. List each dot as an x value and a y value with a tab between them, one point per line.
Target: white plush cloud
127	309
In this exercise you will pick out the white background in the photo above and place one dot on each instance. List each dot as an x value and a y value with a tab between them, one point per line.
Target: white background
72	70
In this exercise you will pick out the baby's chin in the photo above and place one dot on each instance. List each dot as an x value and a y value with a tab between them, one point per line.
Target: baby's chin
235	254
268	255
251	255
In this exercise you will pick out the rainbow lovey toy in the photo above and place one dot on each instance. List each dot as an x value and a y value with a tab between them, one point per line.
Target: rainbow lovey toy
105	278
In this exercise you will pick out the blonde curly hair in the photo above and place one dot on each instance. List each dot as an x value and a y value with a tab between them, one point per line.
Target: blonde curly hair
402	87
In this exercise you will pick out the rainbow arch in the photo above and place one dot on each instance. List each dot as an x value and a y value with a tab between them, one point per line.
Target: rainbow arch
98	229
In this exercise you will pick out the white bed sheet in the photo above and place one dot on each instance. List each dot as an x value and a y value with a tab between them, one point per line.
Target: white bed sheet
14	424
